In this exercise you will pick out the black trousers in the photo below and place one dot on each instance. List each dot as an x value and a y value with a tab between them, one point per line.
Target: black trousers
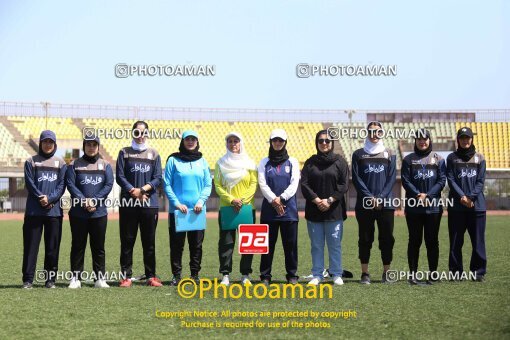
177	240
129	220
226	245
420	225
474	222
366	222
80	229
289	232
32	230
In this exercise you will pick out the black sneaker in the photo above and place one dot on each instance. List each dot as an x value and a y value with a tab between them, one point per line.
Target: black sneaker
175	280
347	274
195	278
292	281
479	278
365	279
50	284
27	285
413	282
385	280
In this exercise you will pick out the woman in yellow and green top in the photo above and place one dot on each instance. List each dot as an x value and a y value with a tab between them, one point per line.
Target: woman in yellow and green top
235	180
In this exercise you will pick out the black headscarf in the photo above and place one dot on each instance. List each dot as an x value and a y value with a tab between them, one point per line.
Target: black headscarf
187	155
465	154
420	134
47	155
278	157
88	158
324	158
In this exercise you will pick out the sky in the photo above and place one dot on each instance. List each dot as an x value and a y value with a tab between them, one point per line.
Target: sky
449	54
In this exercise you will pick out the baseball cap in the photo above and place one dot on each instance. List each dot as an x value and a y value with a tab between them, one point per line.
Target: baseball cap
465	131
278	133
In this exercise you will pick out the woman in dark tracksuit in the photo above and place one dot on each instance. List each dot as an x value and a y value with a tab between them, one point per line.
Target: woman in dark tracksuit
465	171
278	177
324	182
139	176
45	182
423	177
89	179
373	175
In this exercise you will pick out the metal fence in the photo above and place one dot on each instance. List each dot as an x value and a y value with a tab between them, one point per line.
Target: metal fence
45	109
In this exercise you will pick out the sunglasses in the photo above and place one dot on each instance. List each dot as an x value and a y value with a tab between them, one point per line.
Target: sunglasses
324	141
375	133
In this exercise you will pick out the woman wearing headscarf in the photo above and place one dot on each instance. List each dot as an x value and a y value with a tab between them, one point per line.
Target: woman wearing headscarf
235	181
465	172
278	176
89	179
188	186
423	177
45	183
139	176
324	182
373	175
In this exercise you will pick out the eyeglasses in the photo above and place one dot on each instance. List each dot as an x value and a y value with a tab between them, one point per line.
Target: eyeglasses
324	141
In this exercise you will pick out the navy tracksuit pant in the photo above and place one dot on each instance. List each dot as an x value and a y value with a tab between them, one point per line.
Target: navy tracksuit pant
289	231
474	222
32	232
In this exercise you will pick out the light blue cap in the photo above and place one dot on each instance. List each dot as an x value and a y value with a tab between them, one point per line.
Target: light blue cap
188	133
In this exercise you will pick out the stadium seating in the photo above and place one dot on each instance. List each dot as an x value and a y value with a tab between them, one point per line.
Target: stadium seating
12	154
30	127
212	143
492	140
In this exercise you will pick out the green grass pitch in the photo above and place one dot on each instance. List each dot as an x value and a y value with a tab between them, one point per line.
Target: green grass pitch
444	310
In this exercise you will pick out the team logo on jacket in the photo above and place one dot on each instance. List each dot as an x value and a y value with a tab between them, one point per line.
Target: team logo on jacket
467	173
476	159
287	169
386	154
374	168
57	164
141	168
424	174
149	155
432	161
91	180
100	167
46	177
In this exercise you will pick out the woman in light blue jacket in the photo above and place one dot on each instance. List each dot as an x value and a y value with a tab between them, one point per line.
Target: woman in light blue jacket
188	186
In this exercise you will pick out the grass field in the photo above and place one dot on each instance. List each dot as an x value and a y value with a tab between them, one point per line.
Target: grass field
444	310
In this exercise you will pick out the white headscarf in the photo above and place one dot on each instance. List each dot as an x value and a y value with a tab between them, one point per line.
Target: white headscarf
138	147
234	166
373	148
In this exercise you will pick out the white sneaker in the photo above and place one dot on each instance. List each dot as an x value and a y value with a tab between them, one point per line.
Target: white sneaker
225	281
325	274
75	283
337	280
245	280
314	282
101	284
